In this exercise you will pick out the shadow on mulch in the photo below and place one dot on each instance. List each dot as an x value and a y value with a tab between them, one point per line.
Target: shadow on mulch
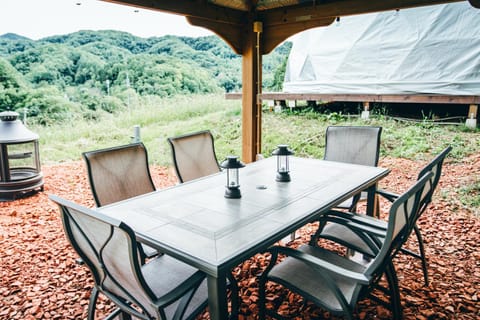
41	280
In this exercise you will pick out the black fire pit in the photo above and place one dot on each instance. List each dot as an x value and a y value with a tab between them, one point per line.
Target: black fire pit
20	173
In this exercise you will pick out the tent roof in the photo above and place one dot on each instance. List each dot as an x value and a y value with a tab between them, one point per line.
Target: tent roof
428	50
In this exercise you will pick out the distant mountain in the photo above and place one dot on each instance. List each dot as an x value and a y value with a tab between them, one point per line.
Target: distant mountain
14	36
105	51
101	70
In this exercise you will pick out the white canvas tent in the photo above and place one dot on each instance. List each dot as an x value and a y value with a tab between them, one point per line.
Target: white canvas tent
427	50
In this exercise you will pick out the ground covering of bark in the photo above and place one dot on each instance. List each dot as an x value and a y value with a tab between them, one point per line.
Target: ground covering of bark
41	280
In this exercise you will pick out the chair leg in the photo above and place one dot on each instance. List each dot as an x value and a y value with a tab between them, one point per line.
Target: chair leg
261	298
395	302
233	295
422	254
314	238
92	304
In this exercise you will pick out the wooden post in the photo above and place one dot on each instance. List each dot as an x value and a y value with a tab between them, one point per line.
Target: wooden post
252	85
472	111
366	110
472	116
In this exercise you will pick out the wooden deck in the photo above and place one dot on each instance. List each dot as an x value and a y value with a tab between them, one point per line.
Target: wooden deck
392	98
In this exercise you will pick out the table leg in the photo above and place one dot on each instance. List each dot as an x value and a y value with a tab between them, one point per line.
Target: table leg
217	297
372	201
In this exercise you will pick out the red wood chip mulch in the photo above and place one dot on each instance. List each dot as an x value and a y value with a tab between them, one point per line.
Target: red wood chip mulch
41	280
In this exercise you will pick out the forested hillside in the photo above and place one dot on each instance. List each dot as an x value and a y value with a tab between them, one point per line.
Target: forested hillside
91	71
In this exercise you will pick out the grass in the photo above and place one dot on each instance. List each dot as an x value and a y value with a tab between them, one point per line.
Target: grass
302	130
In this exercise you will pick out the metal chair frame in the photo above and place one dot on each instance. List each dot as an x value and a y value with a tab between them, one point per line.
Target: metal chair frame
337	283
125	282
340	234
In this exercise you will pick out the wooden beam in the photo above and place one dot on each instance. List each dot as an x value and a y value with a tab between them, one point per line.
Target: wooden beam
232	34
472	111
392	98
339	8
274	35
199	9
251	105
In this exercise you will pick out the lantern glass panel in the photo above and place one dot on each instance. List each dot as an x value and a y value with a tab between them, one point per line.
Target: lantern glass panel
232	178
283	163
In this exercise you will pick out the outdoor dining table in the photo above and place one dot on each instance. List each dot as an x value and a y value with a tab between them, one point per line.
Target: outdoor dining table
196	224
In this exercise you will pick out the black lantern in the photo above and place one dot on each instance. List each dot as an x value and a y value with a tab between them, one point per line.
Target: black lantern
283	171
232	164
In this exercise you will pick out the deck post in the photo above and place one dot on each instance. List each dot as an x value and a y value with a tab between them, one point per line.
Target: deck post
472	116
251	90
366	110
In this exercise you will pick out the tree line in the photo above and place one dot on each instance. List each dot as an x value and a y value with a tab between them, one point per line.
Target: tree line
88	72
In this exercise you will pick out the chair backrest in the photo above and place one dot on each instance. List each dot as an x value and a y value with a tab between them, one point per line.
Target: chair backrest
108	247
401	219
353	144
194	155
435	166
118	173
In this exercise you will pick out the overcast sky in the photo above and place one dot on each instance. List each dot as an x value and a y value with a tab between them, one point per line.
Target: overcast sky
37	19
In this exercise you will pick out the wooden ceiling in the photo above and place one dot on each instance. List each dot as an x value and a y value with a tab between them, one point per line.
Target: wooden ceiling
231	19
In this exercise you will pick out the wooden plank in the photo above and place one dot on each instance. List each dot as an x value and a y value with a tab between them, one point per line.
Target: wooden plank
400	98
274	35
231	34
472	111
200	9
251	107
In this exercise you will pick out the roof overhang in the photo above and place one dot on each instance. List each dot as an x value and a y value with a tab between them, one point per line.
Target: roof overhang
232	19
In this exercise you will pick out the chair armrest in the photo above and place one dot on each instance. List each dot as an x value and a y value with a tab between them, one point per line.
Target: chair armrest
371	230
390	196
321	265
355	217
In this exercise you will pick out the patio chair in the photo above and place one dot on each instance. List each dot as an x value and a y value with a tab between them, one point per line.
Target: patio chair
343	235
119	173
353	144
194	155
336	283
163	288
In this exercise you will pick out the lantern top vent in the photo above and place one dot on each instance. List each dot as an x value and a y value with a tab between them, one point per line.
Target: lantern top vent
12	130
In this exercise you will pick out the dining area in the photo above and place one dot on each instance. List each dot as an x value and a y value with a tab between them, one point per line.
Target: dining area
211	223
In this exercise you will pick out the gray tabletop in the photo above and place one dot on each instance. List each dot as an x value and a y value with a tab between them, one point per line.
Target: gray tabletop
194	222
